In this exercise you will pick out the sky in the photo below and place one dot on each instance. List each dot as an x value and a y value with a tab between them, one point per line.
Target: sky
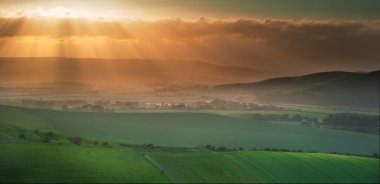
300	36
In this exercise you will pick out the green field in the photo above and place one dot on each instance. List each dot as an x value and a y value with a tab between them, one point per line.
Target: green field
36	162
266	167
180	129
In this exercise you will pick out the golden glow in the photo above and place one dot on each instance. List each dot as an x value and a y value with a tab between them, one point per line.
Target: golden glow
95	29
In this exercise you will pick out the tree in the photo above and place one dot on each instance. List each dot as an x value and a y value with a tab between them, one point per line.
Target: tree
222	148
209	147
148	145
49	134
76	140
65	107
97	108
105	143
46	140
22	136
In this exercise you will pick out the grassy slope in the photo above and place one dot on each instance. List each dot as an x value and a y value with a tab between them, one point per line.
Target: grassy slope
266	167
22	162
190	129
201	167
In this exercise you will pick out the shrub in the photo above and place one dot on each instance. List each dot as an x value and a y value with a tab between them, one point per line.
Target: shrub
105	143
96	142
46	140
22	136
35	131
49	134
76	140
241	148
148	145
222	148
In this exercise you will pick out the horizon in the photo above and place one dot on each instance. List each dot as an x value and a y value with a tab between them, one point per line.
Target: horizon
265	36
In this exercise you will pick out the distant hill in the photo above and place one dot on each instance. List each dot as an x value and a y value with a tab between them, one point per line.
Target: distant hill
123	72
327	88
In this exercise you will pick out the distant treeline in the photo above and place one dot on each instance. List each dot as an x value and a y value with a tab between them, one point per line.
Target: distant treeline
50	137
342	121
353	122
283	117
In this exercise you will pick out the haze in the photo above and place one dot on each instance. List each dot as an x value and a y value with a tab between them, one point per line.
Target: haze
285	43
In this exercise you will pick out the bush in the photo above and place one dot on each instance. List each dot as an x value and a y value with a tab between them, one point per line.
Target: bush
36	131
105	143
22	136
148	145
46	140
49	134
96	142
76	140
241	148
222	148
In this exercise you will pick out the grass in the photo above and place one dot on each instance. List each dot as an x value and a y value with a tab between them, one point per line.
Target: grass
36	163
180	129
27	159
204	167
266	167
308	167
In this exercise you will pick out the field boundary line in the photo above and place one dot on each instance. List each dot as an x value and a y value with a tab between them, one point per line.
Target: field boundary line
161	170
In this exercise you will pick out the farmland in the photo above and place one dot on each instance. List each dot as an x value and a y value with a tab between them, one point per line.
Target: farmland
189	129
25	156
23	162
37	162
266	167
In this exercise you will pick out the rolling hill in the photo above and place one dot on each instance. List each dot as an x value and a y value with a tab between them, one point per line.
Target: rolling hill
327	88
189	129
265	167
50	163
122	72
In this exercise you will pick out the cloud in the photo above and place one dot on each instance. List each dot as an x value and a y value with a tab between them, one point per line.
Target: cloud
258	43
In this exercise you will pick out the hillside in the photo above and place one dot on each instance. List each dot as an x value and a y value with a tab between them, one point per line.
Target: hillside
52	163
327	88
33	162
121	72
189	129
265	167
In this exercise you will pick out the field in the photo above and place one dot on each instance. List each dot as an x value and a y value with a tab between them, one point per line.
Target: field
266	167
36	162
27	159
180	129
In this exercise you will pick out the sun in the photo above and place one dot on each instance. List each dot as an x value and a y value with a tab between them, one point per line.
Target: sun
63	12
71	13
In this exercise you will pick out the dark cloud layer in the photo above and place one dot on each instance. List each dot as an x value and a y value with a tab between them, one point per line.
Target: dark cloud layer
284	44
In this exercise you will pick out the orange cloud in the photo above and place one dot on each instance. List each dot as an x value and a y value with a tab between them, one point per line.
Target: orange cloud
262	44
